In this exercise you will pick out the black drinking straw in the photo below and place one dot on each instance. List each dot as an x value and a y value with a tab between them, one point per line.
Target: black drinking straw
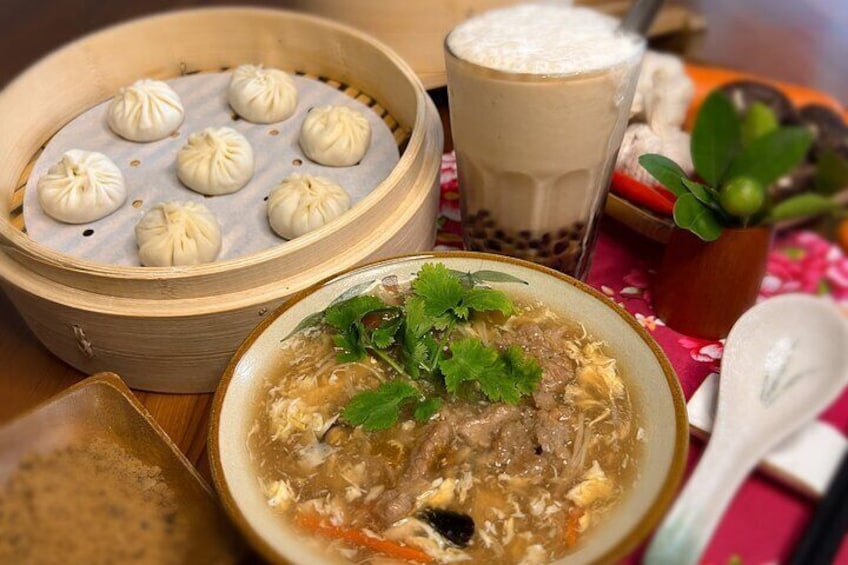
640	16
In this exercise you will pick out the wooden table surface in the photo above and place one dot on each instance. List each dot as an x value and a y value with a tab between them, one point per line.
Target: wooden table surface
802	41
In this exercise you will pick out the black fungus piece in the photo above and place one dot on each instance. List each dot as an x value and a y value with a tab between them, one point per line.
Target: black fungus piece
455	527
380	318
743	93
337	434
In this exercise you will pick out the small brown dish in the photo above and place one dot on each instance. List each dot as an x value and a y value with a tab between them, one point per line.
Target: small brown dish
97	430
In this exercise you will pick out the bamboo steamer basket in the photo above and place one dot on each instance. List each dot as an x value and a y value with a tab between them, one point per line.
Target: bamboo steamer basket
416	29
174	329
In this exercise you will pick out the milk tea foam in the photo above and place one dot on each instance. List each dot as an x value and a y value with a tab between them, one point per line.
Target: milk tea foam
543	39
539	98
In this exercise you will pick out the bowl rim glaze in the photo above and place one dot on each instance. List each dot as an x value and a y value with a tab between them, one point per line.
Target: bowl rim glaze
628	541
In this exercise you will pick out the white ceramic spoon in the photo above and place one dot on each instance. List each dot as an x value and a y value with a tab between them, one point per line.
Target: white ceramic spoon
784	362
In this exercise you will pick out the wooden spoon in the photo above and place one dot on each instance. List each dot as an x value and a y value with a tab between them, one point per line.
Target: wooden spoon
784	362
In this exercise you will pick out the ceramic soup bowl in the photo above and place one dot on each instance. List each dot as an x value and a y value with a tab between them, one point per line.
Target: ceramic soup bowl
658	403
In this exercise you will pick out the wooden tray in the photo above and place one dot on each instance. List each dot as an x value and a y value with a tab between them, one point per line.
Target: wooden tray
102	407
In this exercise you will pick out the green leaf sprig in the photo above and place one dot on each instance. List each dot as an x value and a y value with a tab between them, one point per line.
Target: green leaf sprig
415	340
503	376
380	409
735	160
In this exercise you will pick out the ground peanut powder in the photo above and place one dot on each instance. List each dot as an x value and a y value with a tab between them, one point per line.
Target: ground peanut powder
89	503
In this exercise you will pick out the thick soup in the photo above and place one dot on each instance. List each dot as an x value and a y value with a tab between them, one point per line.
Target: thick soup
444	422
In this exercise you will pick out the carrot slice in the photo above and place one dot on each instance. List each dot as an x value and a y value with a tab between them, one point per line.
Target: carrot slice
314	524
571	531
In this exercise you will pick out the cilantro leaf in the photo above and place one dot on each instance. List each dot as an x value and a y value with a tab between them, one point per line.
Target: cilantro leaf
524	370
417	321
415	357
384	336
350	343
379	409
461	311
388	322
497	387
426	409
342	315
416	327
439	290
488	300
502	377
469	358
445	299
470	361
353	337
426	355
412	340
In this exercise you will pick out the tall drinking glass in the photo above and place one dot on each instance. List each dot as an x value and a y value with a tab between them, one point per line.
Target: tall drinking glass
539	101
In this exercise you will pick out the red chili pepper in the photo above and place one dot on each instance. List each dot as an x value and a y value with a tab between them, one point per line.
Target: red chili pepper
654	198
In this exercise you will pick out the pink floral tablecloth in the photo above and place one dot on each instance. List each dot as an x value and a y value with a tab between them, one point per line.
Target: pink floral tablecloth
765	520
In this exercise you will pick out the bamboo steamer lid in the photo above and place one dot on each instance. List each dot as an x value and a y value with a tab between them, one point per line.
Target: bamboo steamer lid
416	29
173	329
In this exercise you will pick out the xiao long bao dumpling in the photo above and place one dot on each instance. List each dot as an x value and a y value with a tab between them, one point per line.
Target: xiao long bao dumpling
335	136
215	161
302	203
261	95
82	187
174	234
148	110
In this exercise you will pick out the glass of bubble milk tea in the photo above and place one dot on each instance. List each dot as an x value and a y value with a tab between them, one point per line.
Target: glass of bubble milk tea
539	99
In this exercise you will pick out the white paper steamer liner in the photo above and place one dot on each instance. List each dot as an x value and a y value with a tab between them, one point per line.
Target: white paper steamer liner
243	214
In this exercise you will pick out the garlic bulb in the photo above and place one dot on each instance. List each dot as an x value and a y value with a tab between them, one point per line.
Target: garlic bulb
663	93
640	139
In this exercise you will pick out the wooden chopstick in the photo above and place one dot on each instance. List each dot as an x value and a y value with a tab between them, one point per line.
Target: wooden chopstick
824	535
